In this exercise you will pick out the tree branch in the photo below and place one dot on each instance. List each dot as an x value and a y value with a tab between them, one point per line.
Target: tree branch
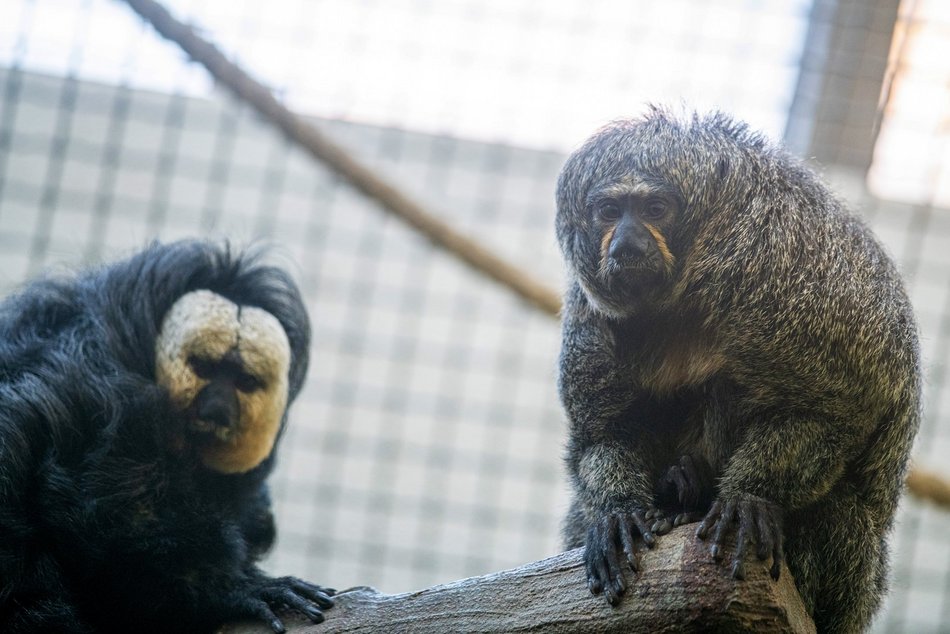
680	589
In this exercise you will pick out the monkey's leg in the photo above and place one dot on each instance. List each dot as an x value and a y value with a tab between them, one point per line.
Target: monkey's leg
838	556
686	490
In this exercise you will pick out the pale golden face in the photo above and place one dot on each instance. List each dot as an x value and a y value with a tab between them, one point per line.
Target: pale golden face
206	338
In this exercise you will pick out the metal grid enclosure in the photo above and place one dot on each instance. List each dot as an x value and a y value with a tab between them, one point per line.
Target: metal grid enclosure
427	443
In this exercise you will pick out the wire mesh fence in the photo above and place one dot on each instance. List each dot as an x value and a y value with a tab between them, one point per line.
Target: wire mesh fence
427	443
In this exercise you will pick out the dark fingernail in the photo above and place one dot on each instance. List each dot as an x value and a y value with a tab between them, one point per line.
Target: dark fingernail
715	552
738	572
648	539
776	571
315	615
277	626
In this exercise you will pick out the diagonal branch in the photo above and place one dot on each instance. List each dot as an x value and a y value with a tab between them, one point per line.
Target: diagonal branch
340	161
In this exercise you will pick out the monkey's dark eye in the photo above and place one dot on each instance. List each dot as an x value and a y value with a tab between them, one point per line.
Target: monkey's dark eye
608	212
655	209
203	367
244	382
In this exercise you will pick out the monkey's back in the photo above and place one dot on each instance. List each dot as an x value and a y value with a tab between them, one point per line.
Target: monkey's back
816	316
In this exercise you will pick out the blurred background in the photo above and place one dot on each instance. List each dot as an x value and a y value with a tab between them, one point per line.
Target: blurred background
427	444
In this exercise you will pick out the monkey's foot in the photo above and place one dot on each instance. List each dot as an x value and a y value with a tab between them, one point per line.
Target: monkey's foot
758	521
266	595
685	482
611	542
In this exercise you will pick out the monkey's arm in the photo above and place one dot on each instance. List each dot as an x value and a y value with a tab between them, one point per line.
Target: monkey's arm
611	459
257	523
783	462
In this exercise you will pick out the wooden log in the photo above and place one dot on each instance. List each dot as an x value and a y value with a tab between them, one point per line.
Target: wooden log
681	589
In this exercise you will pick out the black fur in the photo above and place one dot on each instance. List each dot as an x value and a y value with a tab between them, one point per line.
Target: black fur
106	525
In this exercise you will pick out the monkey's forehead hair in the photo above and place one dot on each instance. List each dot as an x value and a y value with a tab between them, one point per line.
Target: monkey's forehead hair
683	150
117	309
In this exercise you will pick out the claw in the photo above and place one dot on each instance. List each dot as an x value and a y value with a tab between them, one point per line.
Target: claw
738	570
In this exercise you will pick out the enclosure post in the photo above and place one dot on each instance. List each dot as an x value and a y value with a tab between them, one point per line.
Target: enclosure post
834	110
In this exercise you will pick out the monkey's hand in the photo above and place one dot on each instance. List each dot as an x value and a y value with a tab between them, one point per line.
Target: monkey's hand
611	546
683	488
758	521
264	595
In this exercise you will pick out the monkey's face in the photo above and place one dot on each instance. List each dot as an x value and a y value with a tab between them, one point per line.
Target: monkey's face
225	368
618	242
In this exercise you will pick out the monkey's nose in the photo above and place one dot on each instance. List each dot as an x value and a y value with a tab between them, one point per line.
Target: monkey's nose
218	404
627	247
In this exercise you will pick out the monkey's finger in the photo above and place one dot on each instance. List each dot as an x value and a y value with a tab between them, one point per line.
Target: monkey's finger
629	546
661	526
686	463
676	476
689	497
778	556
602	575
318	595
710	520
765	538
615	584
746	525
725	522
778	552
685	518
302	605
595	579
259	609
591	558
644	529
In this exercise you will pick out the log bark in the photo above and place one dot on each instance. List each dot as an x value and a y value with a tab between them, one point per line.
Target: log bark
681	589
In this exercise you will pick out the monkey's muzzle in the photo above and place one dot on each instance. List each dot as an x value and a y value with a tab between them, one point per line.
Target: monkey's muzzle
632	249
216	410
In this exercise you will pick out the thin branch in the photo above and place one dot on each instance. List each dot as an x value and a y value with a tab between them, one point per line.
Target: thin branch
929	486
